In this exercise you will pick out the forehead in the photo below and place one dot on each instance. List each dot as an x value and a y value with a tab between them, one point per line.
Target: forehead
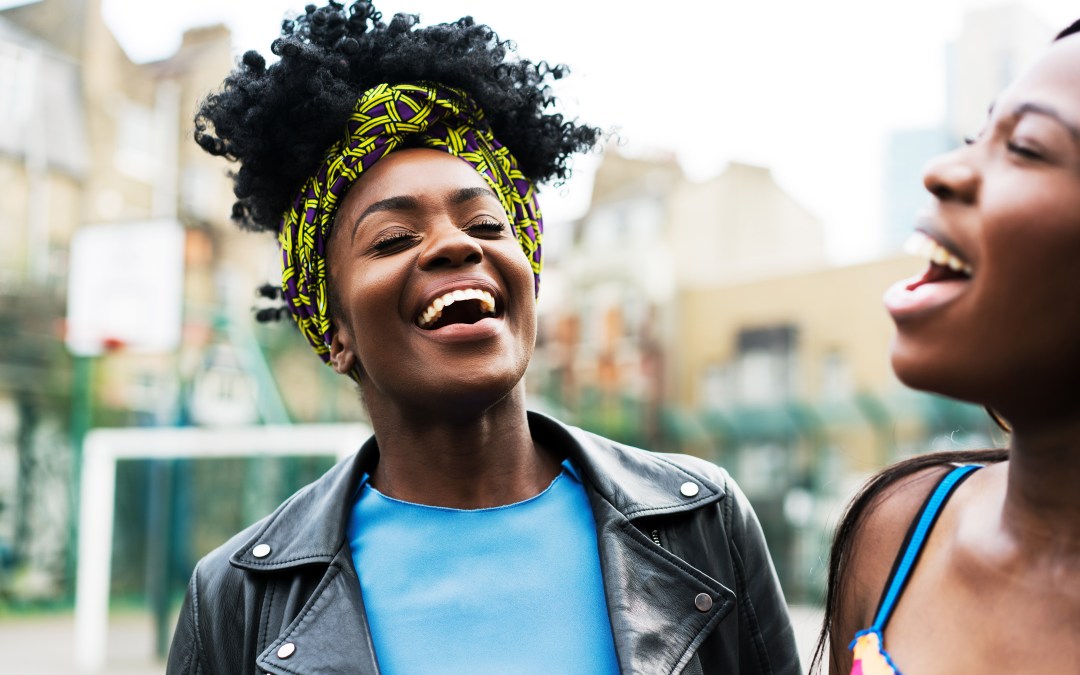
1054	80
417	172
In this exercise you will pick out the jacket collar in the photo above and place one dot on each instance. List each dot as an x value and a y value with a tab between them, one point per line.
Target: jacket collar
635	484
309	528
661	608
658	617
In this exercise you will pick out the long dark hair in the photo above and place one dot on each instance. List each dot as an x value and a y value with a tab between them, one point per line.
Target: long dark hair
856	514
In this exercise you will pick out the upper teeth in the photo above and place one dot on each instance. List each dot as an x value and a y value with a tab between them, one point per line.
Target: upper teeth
920	244
435	309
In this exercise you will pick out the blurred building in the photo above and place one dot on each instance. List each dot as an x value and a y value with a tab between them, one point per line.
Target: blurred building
906	155
704	318
606	301
610	326
994	46
89	138
41	90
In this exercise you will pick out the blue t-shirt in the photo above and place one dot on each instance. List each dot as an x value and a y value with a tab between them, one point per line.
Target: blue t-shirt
511	589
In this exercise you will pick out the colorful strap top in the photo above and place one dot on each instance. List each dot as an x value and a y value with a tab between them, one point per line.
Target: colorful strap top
870	657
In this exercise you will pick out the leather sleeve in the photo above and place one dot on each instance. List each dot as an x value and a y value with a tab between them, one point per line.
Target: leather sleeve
765	629
184	652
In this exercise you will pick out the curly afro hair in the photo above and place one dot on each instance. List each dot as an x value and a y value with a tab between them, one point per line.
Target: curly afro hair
278	121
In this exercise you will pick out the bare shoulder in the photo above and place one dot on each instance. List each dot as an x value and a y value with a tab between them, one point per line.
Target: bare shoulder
876	533
882	527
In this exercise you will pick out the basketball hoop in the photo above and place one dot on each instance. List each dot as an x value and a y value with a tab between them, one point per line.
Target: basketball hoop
125	288
112	345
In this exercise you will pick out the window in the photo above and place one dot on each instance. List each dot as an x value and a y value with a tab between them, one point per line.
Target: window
836	382
717	387
766	365
135	141
17	83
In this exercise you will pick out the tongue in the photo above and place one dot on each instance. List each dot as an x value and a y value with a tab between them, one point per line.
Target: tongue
935	273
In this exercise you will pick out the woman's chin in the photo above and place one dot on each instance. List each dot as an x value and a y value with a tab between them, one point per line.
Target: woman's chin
918	372
448	391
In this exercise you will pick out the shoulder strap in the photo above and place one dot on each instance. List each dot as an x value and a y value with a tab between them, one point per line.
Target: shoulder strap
916	537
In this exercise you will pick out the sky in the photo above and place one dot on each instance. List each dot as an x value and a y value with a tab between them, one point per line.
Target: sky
809	89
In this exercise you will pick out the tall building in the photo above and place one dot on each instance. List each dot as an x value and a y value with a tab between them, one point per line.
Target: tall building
906	154
89	138
994	46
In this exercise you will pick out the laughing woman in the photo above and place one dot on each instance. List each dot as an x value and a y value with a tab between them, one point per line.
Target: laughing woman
970	562
396	166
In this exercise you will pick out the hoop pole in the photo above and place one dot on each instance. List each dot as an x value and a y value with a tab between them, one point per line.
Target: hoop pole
104	447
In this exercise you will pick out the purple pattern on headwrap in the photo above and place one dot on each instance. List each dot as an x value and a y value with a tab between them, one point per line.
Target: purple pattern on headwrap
442	118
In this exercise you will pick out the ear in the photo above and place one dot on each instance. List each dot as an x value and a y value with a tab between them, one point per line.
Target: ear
342	352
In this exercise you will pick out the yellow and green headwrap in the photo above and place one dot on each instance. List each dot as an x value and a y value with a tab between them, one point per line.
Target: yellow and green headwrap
383	118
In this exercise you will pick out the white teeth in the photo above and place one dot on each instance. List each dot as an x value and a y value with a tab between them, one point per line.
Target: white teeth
435	309
922	245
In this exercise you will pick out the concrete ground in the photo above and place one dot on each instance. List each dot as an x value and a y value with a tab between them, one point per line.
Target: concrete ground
41	645
807	623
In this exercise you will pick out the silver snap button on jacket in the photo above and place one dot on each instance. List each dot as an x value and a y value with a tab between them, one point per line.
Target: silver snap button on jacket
689	489
261	551
703	602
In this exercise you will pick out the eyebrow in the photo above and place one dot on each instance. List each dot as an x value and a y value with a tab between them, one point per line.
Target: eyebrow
1047	111
410	203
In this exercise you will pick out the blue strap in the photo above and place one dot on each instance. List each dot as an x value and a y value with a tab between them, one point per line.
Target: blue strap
916	539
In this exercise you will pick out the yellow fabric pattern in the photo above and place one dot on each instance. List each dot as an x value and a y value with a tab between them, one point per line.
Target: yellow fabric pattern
385	116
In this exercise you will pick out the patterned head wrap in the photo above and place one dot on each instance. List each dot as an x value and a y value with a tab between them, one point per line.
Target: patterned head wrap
384	117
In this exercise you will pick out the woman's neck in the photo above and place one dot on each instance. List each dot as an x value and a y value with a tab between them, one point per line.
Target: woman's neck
1042	500
460	458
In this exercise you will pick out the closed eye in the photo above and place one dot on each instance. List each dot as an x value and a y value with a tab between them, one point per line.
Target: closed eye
1023	151
486	227
392	240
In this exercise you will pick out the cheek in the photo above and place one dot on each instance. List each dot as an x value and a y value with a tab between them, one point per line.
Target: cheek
517	276
1032	265
524	284
368	292
517	264
1030	241
365	302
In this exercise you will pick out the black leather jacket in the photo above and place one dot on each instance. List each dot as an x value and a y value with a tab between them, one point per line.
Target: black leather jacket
690	587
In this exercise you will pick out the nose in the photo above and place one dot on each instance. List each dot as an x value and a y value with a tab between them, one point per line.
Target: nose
447	245
952	177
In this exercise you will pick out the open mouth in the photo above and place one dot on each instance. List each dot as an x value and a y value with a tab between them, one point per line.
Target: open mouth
945	265
462	306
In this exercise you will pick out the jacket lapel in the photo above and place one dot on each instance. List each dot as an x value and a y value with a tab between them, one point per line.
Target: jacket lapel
330	634
655	600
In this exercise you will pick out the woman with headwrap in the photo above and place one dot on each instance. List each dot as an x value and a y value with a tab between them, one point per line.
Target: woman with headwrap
396	165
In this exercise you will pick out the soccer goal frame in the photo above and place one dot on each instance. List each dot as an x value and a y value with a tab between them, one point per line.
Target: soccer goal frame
103	448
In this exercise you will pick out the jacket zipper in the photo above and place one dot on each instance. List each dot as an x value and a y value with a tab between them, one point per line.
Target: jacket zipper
655	535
